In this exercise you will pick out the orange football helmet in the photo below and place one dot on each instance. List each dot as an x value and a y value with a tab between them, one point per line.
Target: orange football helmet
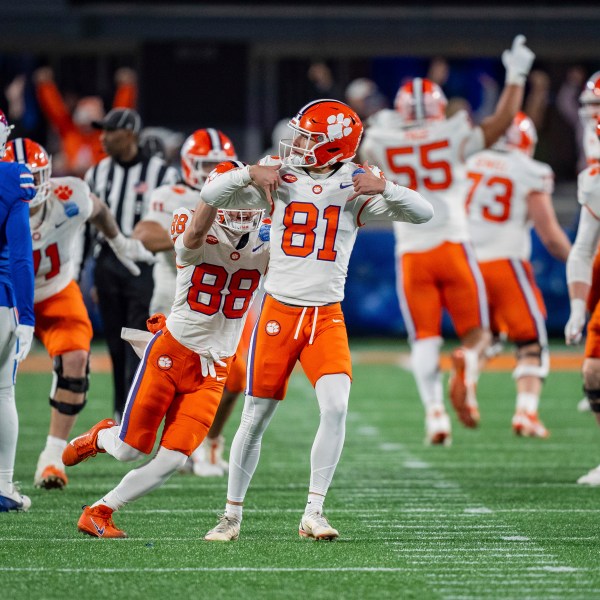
521	135
37	160
5	129
202	152
590	100
420	100
326	132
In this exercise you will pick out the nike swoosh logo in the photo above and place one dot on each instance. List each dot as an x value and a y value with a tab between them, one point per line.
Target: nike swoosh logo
337	320
257	247
59	224
346	185
221	378
100	531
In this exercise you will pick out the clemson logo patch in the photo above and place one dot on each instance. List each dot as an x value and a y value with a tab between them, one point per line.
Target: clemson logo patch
164	362
317	189
235	256
211	239
289	178
272	327
63	192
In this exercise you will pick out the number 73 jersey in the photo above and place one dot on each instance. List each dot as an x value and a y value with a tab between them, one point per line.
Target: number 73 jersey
215	287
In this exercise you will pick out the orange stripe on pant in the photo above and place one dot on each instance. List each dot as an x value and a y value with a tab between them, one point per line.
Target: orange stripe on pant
444	277
62	322
516	304
169	384
274	351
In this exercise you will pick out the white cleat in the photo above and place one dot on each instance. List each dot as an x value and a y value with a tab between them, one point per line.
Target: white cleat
315	526
590	478
12	499
529	425
438	431
207	459
50	472
584	405
227	530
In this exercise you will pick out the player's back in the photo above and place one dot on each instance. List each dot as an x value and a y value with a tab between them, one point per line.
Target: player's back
496	201
426	158
53	231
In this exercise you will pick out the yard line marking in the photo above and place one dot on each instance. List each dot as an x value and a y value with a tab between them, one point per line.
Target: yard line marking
209	569
516	538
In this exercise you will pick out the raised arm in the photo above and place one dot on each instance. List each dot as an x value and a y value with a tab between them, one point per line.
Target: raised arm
541	212
200	222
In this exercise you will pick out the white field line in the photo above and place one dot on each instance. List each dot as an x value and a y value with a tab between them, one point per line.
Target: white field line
210	569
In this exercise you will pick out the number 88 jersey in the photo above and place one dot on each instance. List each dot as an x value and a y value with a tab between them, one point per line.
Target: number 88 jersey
215	287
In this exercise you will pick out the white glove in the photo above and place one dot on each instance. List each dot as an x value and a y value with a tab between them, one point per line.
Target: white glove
24	335
517	61
182	217
130	251
138	339
208	358
574	326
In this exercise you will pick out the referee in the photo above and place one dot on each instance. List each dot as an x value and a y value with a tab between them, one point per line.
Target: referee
125	180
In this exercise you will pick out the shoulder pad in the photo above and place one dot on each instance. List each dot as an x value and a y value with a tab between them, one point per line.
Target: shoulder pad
588	187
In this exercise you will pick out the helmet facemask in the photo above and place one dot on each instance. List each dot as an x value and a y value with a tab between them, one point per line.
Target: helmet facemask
240	221
299	151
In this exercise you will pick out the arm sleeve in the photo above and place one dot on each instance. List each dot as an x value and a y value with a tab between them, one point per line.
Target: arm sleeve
53	107
581	257
187	256
474	142
21	260
397	203
232	189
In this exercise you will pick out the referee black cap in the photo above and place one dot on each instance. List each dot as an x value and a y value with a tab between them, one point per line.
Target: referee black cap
120	118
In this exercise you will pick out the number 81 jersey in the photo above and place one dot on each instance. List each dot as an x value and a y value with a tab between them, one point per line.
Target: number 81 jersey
215	287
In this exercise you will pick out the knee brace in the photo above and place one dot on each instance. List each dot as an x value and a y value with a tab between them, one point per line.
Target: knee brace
540	352
593	397
76	385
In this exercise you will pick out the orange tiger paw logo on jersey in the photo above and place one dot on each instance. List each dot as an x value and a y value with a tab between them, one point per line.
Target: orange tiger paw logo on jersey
63	192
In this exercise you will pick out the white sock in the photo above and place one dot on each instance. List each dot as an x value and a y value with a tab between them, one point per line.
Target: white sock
314	503
233	510
9	432
148	477
55	443
109	440
528	402
245	448
333	392
471	366
425	360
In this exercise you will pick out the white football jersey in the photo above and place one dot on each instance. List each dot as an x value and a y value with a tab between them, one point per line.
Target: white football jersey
591	144
165	200
430	159
588	189
53	230
496	201
313	225
216	285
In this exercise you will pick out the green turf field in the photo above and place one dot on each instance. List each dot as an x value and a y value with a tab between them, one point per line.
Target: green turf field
492	516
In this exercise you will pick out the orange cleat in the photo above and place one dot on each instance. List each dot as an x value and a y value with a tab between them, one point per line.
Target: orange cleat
52	478
529	425
466	408
97	522
85	446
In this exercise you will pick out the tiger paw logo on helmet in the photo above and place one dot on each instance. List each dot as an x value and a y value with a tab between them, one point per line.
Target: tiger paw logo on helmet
338	126
63	192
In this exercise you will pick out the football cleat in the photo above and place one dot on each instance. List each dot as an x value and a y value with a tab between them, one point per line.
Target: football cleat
437	427
226	530
208	460
590	478
85	446
529	425
51	477
463	400
12	499
97	522
584	405
315	526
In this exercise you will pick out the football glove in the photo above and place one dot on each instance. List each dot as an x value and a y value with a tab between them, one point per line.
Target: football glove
576	322
130	251
517	61
208	358
24	335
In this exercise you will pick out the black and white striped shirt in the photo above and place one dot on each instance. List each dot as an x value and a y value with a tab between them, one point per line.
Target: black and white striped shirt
127	187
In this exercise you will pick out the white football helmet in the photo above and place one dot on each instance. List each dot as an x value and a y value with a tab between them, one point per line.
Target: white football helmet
240	221
521	135
5	130
420	100
590	101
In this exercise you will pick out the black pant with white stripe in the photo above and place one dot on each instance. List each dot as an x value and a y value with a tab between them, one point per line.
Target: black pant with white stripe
124	302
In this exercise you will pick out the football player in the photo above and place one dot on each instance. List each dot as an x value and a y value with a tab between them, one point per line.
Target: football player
16	309
588	113
582	289
436	266
56	214
200	154
318	198
508	192
181	377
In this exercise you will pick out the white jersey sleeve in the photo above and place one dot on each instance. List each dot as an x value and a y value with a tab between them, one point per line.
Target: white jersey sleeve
187	256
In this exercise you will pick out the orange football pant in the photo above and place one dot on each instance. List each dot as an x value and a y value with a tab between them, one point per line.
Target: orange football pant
62	322
515	301
284	334
169	384
236	380
446	276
